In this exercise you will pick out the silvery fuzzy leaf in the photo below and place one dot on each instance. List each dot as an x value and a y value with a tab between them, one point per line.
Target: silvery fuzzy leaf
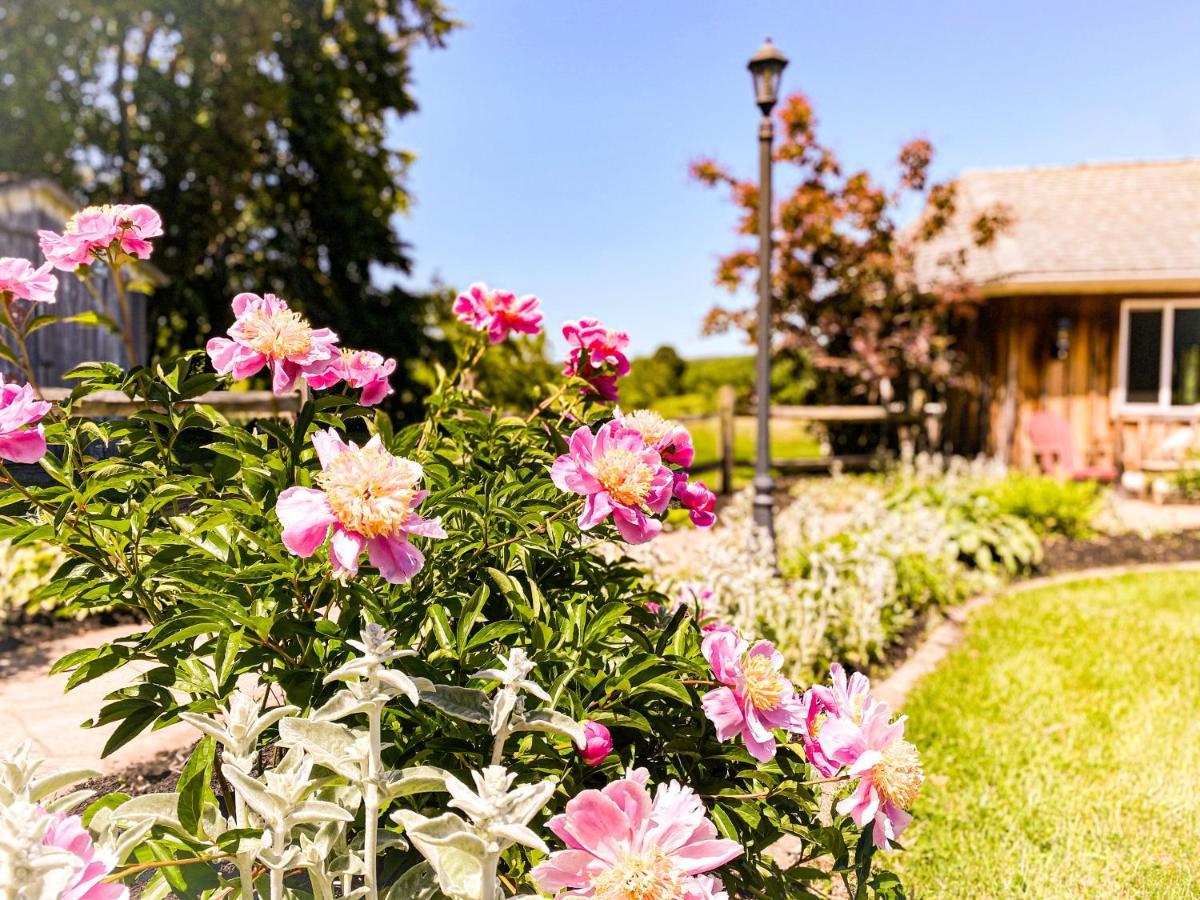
289	858
529	799
321	844
398	683
465	704
67	801
43	787
351	671
214	729
532	687
102	820
391	839
550	720
158	808
455	852
269	718
333	746
213	824
418	883
469	801
342	704
413	780
313	812
503	705
255	794
130	840
519	834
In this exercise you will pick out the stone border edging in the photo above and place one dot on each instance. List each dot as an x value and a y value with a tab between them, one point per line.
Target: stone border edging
947	635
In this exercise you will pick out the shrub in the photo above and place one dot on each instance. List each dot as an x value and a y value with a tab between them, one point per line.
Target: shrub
25	571
287	555
1050	506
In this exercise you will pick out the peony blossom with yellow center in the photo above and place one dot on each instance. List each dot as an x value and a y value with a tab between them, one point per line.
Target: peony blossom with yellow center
650	876
649	424
279	333
625	475
897	776
370	491
764	685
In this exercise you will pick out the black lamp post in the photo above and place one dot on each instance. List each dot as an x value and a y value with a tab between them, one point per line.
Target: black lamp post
766	68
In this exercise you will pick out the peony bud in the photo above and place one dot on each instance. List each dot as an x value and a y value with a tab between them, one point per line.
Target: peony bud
597	743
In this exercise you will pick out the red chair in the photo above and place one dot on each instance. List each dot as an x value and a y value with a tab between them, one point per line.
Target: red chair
1054	450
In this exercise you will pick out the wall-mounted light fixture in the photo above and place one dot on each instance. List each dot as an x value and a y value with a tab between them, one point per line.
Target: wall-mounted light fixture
1062	338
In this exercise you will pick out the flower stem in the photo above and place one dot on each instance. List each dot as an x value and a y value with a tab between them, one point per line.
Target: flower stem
19	324
278	844
126	312
371	797
245	861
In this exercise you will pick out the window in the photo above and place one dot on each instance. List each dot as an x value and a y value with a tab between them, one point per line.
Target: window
1160	356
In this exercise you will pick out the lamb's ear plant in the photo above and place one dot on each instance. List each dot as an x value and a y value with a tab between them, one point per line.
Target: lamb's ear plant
392	634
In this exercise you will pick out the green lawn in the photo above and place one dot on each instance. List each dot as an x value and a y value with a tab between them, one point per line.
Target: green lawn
1062	747
789	439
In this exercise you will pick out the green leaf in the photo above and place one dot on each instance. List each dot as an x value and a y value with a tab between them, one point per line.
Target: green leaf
194	785
93	319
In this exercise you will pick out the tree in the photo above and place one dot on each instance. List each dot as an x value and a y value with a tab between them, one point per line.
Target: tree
258	128
654	377
844	287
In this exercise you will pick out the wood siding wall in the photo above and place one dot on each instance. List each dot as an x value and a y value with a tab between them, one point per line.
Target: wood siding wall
1010	348
64	345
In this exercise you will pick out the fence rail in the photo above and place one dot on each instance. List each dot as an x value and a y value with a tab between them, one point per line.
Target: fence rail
234	404
915	427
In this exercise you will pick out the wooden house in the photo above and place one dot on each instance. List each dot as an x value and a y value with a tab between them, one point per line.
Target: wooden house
1090	310
25	207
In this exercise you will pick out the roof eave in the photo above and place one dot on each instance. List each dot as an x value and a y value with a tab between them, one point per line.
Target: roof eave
1117	284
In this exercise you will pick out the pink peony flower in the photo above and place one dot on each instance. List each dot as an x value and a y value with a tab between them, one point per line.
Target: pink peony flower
359	369
844	699
618	474
621	844
598	743
754	698
697	499
267	333
21	281
887	766
668	437
368	497
597	355
19	409
90	233
498	312
67	833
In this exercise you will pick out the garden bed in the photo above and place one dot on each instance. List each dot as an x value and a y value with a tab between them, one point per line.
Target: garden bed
1128	548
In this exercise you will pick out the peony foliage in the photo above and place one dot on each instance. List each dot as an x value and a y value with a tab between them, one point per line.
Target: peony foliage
435	703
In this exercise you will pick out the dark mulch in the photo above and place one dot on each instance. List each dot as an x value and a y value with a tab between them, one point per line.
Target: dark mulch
1119	550
159	775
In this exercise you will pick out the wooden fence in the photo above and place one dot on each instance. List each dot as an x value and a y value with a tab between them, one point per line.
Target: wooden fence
232	404
915	429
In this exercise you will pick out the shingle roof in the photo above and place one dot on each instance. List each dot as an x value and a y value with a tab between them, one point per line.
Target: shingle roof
1099	225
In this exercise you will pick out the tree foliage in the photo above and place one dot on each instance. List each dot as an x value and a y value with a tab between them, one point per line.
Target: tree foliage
845	291
259	125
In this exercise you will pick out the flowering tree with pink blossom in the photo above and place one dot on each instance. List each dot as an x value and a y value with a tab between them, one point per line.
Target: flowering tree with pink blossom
423	611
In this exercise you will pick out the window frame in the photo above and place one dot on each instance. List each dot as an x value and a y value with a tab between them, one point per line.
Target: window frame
1162	408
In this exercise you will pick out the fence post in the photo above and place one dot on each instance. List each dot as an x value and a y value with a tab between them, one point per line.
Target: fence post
726	403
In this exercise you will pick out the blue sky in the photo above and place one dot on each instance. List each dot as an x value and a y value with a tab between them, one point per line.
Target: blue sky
554	135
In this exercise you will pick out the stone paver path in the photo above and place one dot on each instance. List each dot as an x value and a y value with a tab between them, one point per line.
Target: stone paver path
33	706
